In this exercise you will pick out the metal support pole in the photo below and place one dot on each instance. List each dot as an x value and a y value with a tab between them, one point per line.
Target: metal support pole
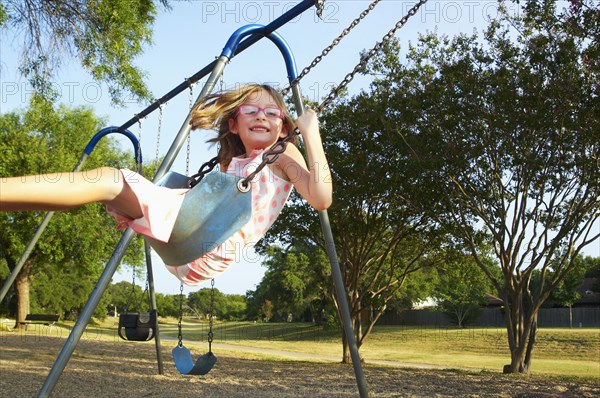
150	276
25	255
340	291
338	281
86	314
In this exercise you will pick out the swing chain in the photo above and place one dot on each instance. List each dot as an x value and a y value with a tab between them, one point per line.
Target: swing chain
179	333
132	297
320	8
210	314
189	137
138	158
366	57
334	43
146	292
270	156
160	120
202	171
207	167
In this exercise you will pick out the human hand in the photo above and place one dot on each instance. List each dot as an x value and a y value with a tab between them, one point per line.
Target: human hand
308	123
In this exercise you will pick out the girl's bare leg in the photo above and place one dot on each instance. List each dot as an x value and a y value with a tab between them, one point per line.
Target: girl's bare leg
60	191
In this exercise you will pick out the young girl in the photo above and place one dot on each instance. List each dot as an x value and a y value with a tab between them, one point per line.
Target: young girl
249	120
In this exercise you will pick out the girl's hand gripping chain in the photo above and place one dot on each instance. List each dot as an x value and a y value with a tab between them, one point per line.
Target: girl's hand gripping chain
312	180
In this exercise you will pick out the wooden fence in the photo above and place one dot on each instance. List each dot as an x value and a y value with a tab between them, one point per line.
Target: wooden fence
548	317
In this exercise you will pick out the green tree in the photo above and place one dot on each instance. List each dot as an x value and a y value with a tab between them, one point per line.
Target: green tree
234	307
127	297
2	15
420	287
167	304
267	310
199	302
63	288
105	35
40	140
226	306
462	289
507	135
567	291
296	282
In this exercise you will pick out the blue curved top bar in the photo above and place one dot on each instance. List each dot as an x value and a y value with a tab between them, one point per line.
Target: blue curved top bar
113	129
237	36
288	56
260	30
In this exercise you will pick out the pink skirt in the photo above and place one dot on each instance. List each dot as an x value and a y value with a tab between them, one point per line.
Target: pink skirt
160	207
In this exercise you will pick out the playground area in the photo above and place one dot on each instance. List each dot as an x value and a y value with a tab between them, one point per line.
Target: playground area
71	362
115	368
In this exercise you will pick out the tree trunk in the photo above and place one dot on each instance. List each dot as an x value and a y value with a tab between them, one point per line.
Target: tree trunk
460	315
522	336
570	316
22	286
530	345
346	357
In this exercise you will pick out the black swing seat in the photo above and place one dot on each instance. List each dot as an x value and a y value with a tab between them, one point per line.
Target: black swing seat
212	211
185	364
137	326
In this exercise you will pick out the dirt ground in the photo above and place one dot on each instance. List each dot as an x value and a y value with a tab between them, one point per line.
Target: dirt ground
100	368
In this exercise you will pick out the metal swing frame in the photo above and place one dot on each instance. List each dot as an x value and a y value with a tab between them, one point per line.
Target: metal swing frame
234	46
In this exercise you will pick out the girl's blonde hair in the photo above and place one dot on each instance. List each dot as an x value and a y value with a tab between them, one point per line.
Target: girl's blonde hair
214	112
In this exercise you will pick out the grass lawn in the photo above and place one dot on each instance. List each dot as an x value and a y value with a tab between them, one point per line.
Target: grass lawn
560	352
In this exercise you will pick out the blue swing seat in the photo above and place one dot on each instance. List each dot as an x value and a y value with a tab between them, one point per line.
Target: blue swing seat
185	364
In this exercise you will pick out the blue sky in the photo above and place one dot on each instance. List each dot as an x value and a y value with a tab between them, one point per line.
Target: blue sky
193	33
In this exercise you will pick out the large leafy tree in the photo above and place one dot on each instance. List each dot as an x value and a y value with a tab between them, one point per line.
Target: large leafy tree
507	136
106	36
77	243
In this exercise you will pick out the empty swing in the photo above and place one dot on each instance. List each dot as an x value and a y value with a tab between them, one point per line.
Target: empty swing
182	356
138	326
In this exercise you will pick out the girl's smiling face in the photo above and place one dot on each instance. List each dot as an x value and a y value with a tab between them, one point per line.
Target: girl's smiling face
259	127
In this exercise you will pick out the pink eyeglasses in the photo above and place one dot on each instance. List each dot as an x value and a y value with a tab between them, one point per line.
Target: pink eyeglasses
252	110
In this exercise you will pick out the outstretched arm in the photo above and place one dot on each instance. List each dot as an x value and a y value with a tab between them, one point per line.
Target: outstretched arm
311	178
